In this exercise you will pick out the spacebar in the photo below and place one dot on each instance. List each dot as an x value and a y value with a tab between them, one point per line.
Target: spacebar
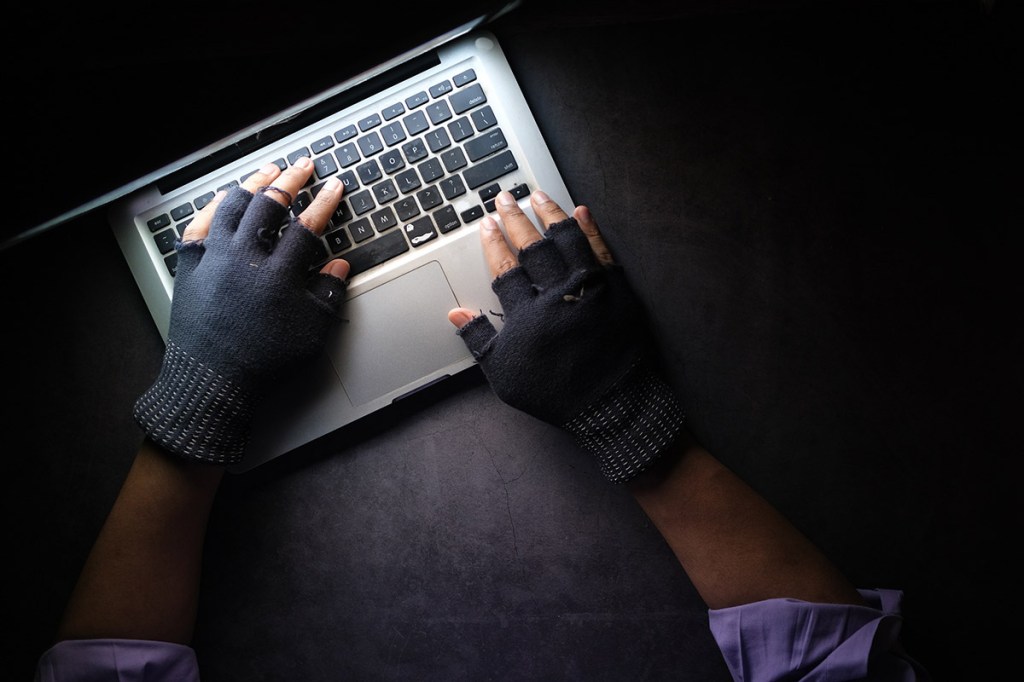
376	252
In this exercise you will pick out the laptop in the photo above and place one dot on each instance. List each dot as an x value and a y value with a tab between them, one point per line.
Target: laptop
423	142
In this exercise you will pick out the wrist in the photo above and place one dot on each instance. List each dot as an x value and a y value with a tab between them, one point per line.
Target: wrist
194	412
631	425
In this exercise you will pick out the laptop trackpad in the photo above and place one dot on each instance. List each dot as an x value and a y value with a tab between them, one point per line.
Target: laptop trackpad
377	352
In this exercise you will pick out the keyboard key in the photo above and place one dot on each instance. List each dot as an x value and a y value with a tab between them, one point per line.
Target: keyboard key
414	150
171	261
429	197
420	231
442	88
342	214
159	222
203	200
464	100
322	145
361	230
406	209
392	133
446	219
419	99
362	202
165	240
452	187
385	191
371	121
346	133
391	161
370	144
483	118
431	170
520	191
437	140
324	166
384	219
179	212
489	192
453	159
460	129
369	172
348	181
379	250
471	214
407	181
393	111
438	112
490	170
486	144
297	154
347	155
467	76
337	240
416	122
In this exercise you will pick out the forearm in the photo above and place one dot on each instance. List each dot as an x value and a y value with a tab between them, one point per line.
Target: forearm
735	547
141	580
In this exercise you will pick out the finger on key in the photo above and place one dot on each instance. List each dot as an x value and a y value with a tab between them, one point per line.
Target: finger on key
548	212
286	186
200	225
264	176
319	212
497	254
521	230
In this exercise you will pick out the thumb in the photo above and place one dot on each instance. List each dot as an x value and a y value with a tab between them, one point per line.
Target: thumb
460	317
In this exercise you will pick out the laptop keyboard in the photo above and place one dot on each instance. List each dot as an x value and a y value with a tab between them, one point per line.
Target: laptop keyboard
401	167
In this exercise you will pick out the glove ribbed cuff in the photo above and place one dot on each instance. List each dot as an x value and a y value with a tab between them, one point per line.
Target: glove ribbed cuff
631	425
195	413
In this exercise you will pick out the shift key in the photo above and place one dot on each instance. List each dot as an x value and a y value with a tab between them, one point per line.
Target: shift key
489	170
385	247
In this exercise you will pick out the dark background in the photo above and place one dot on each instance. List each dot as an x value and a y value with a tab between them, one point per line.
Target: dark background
818	203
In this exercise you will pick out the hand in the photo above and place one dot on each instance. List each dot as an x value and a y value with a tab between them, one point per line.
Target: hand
246	306
574	349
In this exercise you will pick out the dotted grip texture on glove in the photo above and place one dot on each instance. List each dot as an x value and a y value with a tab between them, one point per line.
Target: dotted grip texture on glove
575	352
246	307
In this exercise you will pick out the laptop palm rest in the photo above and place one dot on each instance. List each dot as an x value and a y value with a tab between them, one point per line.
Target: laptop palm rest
375	354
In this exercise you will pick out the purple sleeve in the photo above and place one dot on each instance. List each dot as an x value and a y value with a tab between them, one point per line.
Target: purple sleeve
95	660
796	640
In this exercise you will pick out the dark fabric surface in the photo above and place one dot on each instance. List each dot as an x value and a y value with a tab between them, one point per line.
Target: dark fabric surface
817	206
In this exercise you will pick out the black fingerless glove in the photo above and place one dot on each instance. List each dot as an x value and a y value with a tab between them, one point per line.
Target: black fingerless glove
575	352
245	308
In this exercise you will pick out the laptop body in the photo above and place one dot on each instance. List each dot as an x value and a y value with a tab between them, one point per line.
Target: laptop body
423	142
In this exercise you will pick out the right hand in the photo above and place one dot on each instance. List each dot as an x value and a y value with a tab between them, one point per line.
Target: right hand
574	346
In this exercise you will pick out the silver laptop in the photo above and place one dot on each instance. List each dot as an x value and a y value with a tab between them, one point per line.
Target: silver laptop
422	157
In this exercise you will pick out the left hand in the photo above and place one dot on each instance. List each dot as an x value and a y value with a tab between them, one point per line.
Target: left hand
245	308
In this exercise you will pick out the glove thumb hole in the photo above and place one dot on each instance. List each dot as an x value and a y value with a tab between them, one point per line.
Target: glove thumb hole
477	334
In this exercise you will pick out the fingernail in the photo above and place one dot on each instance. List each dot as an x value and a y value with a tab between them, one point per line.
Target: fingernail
269	168
584	214
460	318
332	184
505	198
488	224
339	269
302	162
540	197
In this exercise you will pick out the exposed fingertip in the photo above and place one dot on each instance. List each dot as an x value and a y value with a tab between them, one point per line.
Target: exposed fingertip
460	317
302	162
337	268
